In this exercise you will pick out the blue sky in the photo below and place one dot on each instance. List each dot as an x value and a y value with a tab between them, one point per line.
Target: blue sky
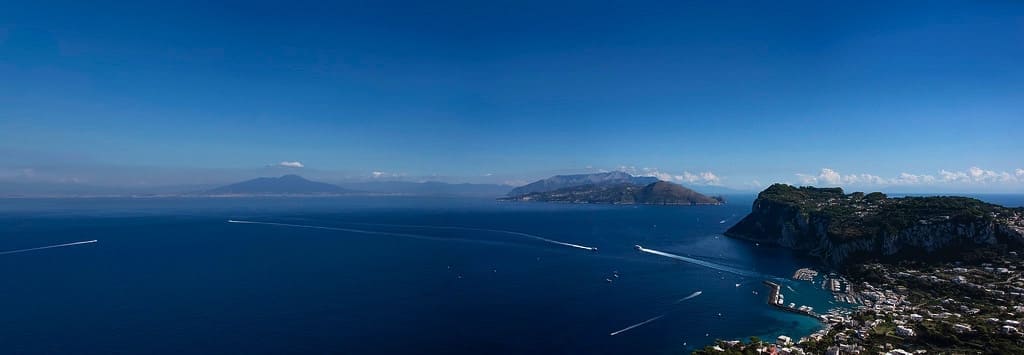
873	94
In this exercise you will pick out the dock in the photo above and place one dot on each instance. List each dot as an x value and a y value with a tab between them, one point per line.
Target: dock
774	300
805	274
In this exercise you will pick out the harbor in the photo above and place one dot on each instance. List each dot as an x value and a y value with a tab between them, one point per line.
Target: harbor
777	299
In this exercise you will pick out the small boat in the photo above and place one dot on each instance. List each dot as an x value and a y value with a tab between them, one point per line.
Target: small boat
608	280
737	285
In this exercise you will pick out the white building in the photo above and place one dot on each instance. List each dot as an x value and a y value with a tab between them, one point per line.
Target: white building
784	340
904	331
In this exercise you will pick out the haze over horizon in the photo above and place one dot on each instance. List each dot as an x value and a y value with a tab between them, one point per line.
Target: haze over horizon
869	96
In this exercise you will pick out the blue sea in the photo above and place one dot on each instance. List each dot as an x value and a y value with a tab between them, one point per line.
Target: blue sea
384	275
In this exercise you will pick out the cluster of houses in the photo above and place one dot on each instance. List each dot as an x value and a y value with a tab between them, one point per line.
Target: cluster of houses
994	305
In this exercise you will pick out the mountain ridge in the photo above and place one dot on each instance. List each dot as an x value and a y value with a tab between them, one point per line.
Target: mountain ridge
564	181
655	193
290	184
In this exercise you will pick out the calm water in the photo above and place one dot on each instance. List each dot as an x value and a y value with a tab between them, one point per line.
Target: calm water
172	276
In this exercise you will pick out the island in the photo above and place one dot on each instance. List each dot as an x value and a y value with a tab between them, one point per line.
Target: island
923	274
841	228
609	188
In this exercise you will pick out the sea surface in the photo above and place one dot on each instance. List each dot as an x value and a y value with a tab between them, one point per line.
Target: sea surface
385	275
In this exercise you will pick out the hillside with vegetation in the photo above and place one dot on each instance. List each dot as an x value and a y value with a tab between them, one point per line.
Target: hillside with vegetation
839	227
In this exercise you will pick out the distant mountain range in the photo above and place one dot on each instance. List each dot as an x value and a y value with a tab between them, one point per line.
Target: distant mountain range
429	188
284	185
614	188
297	185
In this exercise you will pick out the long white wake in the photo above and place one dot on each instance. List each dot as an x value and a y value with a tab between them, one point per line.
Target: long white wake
48	247
626	329
634	326
695	294
520	234
703	263
360	231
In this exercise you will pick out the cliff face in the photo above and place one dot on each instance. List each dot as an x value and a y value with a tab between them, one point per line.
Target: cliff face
841	228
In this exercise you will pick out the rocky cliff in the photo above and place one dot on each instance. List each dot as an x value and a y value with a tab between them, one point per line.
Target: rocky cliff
842	228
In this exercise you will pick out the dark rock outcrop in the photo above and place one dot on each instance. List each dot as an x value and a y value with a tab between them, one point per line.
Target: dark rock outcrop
842	228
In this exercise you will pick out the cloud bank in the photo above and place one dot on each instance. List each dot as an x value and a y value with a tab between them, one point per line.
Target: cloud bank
701	178
972	176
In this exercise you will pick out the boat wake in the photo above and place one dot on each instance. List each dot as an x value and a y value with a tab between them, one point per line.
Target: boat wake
703	263
48	247
361	231
626	329
519	234
695	294
634	326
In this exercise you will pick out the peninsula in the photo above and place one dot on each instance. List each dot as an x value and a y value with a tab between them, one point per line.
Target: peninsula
610	188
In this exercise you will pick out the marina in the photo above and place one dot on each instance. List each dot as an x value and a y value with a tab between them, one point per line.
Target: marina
777	299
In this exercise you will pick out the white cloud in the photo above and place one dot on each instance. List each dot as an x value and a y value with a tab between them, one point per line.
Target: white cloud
973	175
827	177
807	179
710	178
290	164
864	179
952	176
383	174
702	178
913	179
830	176
979	176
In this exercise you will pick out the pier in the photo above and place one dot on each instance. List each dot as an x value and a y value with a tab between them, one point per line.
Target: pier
805	274
774	300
